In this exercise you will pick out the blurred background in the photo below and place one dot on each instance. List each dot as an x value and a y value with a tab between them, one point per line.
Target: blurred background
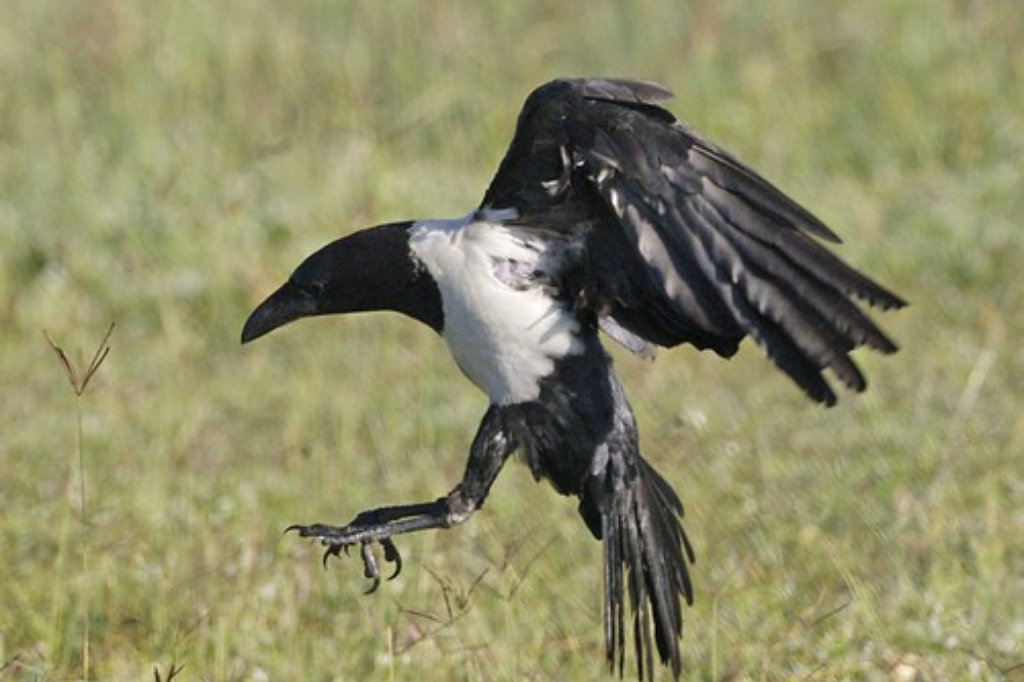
165	164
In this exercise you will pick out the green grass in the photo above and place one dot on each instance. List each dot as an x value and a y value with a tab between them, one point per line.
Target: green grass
165	164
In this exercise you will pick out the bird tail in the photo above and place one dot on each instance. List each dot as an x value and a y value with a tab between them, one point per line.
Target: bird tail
644	546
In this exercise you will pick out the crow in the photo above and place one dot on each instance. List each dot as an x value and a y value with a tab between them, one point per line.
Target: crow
606	213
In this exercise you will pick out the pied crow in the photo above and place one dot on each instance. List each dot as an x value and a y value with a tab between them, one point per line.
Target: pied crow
606	213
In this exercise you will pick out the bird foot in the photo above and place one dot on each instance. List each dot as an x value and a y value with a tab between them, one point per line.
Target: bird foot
338	538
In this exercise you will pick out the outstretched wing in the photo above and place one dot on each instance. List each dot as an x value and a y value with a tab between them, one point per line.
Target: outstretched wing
682	242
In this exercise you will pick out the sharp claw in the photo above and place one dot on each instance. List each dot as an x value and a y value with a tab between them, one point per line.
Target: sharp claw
303	531
315	530
332	550
331	537
391	555
370	568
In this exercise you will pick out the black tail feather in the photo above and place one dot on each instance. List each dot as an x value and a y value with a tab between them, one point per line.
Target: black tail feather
645	548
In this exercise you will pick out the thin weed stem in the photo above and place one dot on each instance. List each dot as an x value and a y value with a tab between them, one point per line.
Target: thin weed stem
84	512
79	381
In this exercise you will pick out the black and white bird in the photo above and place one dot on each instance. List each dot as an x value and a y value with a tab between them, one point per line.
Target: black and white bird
606	214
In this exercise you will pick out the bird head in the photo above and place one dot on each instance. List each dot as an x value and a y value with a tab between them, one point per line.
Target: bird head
369	270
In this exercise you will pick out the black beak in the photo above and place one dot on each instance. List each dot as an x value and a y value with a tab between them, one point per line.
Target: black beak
288	303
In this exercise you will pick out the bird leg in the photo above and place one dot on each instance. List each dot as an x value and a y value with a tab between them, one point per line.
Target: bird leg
379	525
491	447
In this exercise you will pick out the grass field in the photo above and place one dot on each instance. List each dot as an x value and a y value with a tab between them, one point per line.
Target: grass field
164	165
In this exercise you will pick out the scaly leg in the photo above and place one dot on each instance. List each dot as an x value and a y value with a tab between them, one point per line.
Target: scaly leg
491	447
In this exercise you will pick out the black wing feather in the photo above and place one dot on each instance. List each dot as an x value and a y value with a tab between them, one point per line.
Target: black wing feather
799	248
726	172
713	252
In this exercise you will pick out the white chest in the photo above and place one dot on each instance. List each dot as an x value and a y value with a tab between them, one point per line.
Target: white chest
505	335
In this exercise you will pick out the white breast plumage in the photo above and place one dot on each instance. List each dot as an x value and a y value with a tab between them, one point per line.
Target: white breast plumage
504	331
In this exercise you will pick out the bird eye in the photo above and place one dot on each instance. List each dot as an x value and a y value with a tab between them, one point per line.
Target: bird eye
314	288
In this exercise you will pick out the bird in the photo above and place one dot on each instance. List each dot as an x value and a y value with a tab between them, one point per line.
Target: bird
607	217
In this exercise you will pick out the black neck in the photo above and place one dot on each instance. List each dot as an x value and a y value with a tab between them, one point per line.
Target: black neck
390	277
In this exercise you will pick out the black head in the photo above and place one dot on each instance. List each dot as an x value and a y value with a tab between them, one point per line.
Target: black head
370	270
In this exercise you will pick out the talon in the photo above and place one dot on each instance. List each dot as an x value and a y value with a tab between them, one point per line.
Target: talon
336	539
316	530
370	568
391	555
332	550
303	531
